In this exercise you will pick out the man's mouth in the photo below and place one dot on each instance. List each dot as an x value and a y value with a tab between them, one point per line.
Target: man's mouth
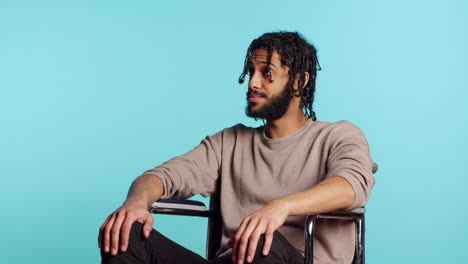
254	96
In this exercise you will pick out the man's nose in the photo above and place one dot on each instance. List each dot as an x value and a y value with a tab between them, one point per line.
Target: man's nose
254	82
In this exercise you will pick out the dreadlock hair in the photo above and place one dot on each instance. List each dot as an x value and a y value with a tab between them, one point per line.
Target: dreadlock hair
296	53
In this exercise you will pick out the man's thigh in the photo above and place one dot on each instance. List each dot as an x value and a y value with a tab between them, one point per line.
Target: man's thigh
156	249
282	252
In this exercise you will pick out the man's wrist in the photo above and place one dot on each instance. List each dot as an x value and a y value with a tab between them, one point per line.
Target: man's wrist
136	200
283	204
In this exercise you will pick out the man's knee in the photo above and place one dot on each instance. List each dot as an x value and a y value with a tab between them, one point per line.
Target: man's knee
136	250
135	237
136	230
259	257
281	251
261	244
277	240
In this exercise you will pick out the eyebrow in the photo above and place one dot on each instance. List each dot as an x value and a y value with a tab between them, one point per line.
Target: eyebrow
266	62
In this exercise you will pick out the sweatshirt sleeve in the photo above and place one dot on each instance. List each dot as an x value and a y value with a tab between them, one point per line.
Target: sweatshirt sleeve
349	158
193	173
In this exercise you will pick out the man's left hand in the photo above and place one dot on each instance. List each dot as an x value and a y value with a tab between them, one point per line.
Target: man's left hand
264	221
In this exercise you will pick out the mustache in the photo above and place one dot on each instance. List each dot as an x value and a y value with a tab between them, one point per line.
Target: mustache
256	93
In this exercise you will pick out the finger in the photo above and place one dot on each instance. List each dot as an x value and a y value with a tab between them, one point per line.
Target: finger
268	240
106	234
115	232
101	230
253	242
244	241
235	242
125	233
267	244
148	226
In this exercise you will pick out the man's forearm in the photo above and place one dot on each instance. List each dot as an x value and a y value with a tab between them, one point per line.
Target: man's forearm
334	193
145	189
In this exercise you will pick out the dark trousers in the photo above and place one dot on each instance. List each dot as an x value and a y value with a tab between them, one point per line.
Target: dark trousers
158	249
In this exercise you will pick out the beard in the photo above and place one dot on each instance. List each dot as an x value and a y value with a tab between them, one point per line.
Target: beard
274	108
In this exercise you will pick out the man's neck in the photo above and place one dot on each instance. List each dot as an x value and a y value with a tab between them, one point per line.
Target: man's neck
285	126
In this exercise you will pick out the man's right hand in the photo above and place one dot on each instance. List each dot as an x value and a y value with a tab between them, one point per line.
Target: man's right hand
118	224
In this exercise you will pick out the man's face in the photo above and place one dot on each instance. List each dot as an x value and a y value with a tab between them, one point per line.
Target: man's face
268	96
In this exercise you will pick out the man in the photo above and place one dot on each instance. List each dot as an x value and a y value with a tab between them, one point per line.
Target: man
271	176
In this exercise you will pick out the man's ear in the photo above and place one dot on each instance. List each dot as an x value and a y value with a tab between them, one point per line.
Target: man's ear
306	79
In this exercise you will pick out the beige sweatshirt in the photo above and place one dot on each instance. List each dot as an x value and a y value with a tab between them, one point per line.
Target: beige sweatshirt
255	170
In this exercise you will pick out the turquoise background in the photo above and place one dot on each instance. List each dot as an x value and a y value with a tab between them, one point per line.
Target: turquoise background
93	93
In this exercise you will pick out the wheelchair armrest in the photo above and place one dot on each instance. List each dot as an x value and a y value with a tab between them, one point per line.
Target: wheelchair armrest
353	214
343	214
180	207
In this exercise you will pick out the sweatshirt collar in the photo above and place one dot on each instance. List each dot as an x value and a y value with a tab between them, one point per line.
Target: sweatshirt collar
298	133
